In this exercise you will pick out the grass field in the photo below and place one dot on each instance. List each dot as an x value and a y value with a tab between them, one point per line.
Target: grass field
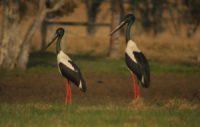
59	115
99	64
25	103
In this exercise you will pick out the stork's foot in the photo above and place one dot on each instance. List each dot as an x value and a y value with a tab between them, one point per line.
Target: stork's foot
137	91
138	103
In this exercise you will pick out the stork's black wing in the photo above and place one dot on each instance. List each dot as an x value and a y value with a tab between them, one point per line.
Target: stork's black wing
144	67
75	67
73	75
134	67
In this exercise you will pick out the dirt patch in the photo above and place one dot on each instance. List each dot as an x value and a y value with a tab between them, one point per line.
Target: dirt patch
102	89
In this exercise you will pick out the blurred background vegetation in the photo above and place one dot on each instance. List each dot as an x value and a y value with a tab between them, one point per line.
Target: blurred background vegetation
165	30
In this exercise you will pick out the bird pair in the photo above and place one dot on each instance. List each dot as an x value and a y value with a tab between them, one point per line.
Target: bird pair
134	58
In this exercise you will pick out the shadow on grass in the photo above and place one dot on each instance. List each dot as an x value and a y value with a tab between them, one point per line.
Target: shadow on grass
41	59
49	58
47	61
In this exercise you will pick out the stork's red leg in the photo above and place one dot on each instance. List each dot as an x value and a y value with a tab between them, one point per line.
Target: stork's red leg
67	92
70	95
134	87
138	90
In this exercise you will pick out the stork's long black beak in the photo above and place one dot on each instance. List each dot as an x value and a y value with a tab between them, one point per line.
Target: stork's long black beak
118	27
51	42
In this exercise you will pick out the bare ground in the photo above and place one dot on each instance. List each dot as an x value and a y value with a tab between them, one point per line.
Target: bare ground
102	89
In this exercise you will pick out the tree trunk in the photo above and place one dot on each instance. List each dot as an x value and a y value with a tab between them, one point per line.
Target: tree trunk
43	31
92	11
114	40
10	40
14	48
1	26
15	45
22	57
192	29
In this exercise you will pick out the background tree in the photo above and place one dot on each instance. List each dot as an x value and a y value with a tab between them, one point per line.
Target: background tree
92	7
15	39
64	10
117	10
193	15
151	14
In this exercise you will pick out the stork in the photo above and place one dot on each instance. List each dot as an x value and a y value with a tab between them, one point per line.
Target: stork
134	58
67	67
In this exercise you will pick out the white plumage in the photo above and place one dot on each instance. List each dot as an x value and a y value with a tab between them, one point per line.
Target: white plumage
63	58
131	46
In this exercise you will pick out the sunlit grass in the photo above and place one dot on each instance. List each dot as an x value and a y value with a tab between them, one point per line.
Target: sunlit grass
52	115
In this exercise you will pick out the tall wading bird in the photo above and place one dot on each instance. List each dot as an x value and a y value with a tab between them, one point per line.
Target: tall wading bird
67	67
135	59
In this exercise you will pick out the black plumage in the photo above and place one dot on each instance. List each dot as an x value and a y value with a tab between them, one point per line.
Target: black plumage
141	69
74	76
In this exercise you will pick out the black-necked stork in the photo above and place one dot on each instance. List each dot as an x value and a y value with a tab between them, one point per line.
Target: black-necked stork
67	67
134	58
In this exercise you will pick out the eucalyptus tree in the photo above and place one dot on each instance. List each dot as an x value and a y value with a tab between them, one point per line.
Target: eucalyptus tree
20	20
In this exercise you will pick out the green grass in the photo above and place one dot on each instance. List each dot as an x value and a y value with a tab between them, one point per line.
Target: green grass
85	62
53	115
101	64
176	69
46	63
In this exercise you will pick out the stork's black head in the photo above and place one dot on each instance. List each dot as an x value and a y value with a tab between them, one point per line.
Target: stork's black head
127	19
60	32
58	35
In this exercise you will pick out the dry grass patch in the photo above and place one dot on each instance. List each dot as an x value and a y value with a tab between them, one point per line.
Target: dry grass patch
180	104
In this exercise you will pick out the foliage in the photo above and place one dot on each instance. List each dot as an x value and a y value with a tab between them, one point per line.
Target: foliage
192	12
30	7
66	9
151	12
153	17
92	7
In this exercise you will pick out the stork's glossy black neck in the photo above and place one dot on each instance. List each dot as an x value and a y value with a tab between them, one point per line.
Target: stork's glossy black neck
128	30
58	44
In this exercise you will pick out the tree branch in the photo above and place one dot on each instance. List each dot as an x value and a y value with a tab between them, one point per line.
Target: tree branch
56	6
